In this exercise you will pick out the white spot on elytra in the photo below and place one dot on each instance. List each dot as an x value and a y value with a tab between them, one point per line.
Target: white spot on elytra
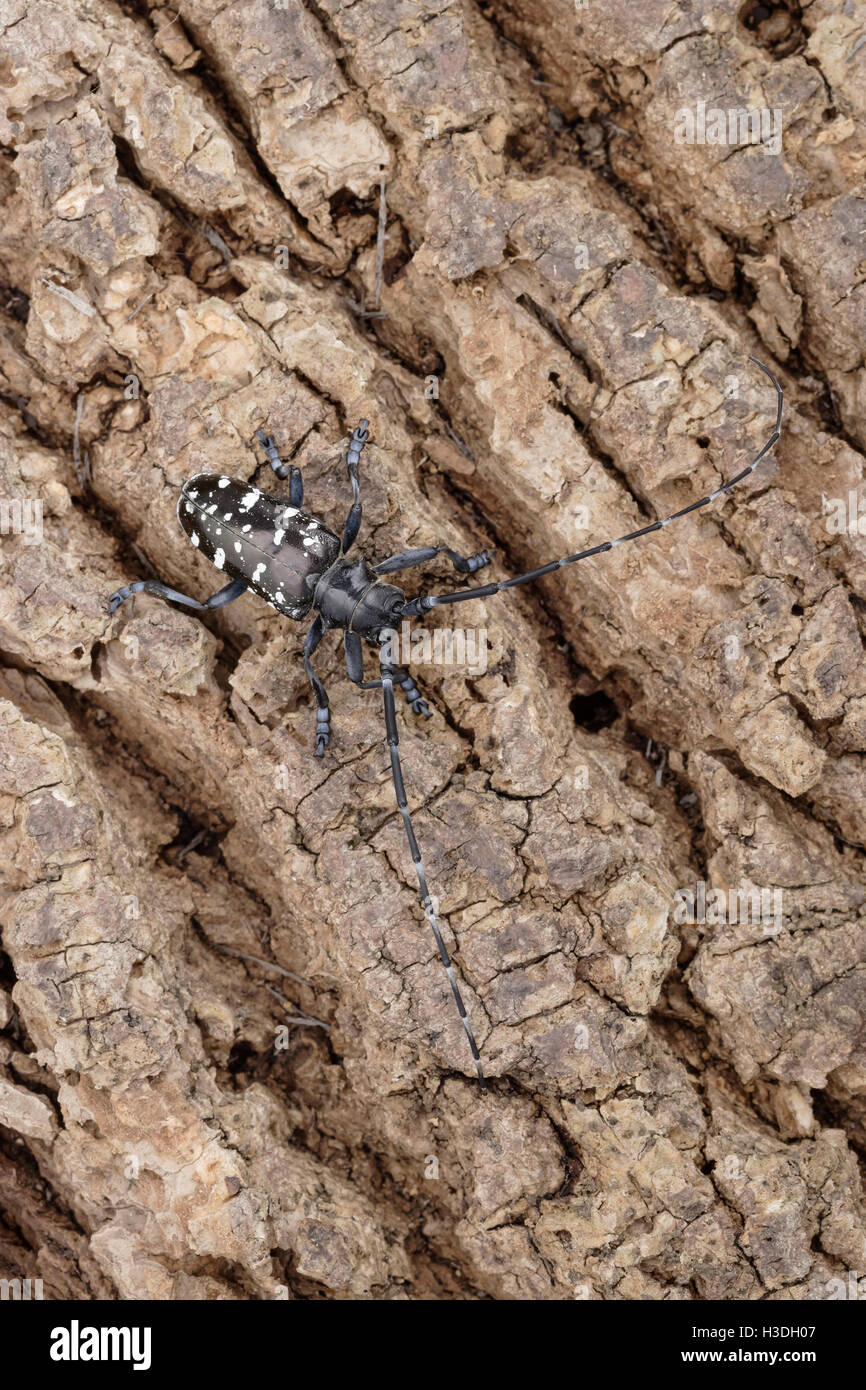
227	516
309	540
287	512
246	528
219	558
194	539
224	482
249	499
259	569
278	535
238	547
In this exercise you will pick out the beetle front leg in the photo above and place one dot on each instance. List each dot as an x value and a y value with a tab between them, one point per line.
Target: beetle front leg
413	695
355	667
464	564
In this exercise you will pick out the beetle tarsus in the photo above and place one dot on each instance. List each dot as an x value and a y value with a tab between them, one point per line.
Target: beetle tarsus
360	435
473	563
414	698
117	598
283	470
323	730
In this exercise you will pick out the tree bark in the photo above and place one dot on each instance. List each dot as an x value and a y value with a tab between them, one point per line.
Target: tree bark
230	1063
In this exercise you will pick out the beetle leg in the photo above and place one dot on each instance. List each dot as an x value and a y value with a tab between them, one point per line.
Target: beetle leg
354	658
401	677
464	564
413	694
228	594
353	458
323	713
283	470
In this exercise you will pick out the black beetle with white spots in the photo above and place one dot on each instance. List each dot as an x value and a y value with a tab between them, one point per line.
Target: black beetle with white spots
293	561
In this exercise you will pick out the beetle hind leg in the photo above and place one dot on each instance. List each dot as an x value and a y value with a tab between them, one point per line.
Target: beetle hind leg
228	594
283	470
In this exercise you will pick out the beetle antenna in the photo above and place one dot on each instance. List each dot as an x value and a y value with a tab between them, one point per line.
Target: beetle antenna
424	892
417	606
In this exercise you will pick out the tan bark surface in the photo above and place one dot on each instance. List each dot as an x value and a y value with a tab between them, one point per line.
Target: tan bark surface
558	354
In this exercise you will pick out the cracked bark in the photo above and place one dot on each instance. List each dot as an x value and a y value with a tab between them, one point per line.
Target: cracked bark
677	1107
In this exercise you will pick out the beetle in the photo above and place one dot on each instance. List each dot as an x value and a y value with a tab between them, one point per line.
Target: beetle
299	566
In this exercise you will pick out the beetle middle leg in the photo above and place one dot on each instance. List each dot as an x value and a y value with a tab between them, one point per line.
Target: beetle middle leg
283	470
323	712
464	564
401	677
228	594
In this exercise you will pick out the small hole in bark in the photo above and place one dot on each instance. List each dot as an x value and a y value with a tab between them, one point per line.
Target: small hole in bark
344	204
776	27
15	303
702	441
191	836
7	973
240	1056
593	712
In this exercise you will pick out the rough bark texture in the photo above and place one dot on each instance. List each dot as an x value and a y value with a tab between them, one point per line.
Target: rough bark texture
188	243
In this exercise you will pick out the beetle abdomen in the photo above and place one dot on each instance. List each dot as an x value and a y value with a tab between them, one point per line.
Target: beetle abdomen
279	550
